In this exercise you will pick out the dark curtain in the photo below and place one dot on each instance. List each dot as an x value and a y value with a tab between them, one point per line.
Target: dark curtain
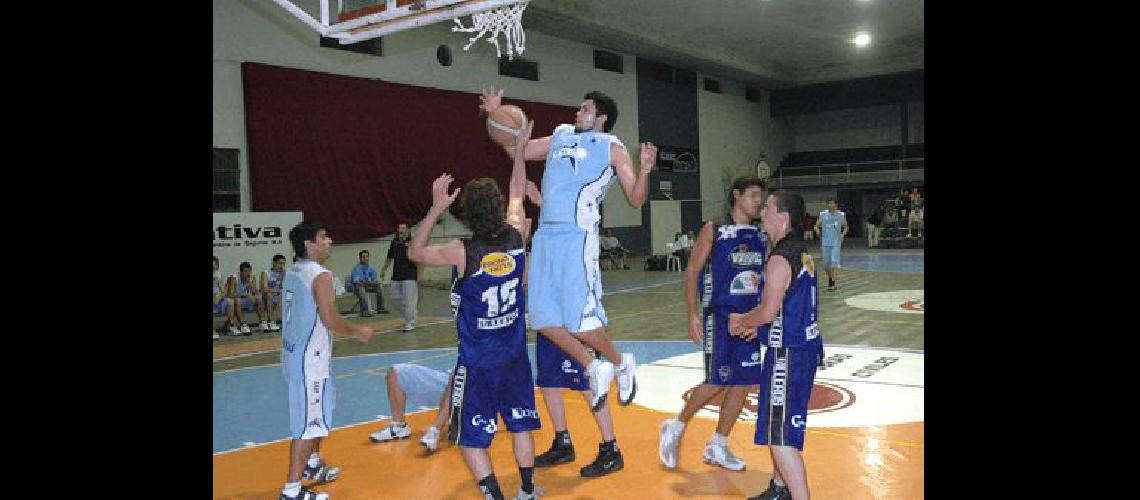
360	154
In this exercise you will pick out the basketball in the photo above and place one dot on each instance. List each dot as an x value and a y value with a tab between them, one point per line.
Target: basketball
505	124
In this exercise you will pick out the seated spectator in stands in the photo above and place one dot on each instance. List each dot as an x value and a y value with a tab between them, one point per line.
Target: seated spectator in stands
917	211
890	223
234	323
874	225
809	227
612	249
364	280
247	295
902	204
421	383
271	280
222	304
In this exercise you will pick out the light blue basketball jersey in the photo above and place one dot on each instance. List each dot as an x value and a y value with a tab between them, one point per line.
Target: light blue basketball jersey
831	223
578	171
306	345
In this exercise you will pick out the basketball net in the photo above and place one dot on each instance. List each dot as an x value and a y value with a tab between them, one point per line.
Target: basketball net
506	20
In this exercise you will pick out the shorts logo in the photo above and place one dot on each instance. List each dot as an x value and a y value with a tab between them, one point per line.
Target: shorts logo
316	422
490	426
755	360
745	283
798	421
779	381
457	386
566	367
497	264
725	372
521	413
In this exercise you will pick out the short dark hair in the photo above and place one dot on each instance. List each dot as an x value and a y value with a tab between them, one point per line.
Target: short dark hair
278	257
832	198
244	265
305	231
740	184
483	211
605	106
361	254
791	203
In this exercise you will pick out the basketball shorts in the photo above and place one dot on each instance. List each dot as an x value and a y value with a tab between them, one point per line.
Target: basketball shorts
729	360
787	379
565	283
830	256
556	368
421	385
479	395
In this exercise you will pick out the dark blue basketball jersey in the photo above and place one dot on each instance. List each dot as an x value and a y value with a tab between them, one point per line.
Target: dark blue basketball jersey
795	323
489	301
734	272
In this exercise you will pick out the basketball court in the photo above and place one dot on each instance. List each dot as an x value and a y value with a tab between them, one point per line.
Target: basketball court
865	437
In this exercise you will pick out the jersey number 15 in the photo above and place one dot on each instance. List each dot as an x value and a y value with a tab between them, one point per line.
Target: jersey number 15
500	298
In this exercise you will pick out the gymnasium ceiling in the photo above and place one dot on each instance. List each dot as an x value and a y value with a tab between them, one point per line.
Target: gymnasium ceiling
773	44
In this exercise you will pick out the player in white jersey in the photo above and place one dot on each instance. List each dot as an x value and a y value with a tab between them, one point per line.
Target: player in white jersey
308	318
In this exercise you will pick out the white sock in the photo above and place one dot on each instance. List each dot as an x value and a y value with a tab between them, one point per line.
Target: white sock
292	489
779	483
399	424
314	460
719	439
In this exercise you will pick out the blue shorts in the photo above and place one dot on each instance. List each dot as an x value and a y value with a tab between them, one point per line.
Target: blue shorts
787	377
311	405
564	287
729	360
830	256
480	394
268	298
556	368
246	304
220	306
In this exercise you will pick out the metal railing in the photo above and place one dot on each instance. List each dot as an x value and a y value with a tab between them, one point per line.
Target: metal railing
896	170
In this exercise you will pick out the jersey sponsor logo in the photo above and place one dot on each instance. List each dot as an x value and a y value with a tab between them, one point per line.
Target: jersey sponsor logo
808	264
812	331
572	153
755	360
567	367
743	256
497	264
745	283
726	232
725	372
489	425
521	413
499	322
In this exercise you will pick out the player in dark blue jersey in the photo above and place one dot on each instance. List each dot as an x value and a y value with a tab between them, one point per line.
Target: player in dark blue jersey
789	308
726	265
492	375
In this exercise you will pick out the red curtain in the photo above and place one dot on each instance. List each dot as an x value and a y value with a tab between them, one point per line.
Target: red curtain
361	154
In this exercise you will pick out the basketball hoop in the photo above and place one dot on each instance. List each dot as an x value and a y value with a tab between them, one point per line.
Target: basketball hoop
506	20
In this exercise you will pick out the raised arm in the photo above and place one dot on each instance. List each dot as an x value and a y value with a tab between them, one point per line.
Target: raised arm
447	254
536	149
516	189
636	187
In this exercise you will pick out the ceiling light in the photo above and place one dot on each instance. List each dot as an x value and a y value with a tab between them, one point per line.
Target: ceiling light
862	39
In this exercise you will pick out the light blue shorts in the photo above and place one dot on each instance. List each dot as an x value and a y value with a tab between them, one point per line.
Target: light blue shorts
564	287
311	403
830	256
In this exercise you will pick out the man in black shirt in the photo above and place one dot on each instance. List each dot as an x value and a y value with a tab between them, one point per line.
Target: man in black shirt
405	276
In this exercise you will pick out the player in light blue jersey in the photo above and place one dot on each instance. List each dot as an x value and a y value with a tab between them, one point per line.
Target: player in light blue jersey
565	288
492	375
790	308
308	318
727	262
834	224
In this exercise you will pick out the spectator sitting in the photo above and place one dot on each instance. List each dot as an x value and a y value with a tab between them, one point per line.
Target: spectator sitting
365	279
890	223
247	295
222	303
271	280
237	325
612	249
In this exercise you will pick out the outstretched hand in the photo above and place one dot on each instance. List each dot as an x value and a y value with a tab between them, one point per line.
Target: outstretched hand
439	197
490	100
648	157
364	333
